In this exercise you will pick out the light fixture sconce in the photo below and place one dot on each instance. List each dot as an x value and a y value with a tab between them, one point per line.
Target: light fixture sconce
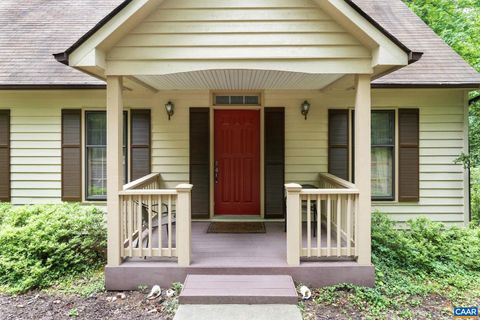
305	108
170	108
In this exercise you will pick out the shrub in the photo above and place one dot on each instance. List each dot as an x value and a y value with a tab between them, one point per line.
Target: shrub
43	243
425	247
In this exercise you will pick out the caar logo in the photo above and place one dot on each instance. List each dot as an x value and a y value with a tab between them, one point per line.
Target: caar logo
465	313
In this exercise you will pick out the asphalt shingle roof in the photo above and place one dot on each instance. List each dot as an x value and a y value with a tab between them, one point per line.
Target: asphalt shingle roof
32	30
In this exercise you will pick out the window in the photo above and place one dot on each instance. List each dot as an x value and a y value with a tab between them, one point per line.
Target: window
236	100
383	155
96	154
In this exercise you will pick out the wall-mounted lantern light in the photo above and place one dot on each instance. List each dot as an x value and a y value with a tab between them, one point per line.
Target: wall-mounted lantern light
305	108
170	108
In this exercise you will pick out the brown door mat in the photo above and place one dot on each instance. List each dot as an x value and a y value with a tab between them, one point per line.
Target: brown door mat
236	227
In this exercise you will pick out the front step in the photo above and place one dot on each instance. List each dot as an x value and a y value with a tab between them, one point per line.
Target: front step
238	289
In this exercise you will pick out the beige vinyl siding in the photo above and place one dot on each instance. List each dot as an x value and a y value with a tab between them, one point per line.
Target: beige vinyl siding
442	193
36	140
203	33
170	145
36	125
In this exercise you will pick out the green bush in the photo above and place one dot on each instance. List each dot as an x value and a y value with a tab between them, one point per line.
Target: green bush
426	258
41	244
425	247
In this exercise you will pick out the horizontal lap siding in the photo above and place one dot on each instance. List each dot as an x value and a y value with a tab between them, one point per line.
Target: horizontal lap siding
208	30
170	139
36	124
306	141
36	154
36	142
441	180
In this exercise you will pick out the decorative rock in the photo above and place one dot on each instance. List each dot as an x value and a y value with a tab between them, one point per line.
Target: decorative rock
155	292
121	295
170	293
305	292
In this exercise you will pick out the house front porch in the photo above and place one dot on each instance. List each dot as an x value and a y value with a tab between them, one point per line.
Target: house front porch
317	243
239	254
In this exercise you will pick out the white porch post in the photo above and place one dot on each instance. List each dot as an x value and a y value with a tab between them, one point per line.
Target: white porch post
294	224
114	166
184	224
363	166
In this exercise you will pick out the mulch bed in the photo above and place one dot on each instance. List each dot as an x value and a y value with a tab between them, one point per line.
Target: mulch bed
431	307
106	305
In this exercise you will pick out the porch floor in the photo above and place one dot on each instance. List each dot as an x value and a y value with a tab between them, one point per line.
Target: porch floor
240	249
237	254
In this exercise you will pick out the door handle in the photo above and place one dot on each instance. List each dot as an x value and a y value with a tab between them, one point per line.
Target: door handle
217	172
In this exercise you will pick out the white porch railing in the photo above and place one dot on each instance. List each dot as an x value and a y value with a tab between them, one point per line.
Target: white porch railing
322	222
155	222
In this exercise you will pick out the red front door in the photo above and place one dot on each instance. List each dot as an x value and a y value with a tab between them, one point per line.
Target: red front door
237	162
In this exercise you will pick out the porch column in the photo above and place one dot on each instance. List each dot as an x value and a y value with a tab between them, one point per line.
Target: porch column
114	167
363	166
184	224
294	224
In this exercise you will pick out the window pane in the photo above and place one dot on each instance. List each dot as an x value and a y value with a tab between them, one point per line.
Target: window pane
96	172
96	128
252	100
96	156
383	128
219	100
382	172
236	99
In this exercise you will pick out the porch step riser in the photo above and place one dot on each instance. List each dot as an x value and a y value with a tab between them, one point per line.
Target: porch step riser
238	289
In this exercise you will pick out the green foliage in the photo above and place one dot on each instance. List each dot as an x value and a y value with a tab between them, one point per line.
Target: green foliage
44	243
425	258
457	22
475	195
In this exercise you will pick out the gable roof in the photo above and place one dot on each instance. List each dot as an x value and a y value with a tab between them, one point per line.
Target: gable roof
31	31
439	66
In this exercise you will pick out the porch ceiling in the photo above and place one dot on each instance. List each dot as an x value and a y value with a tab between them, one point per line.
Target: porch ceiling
237	79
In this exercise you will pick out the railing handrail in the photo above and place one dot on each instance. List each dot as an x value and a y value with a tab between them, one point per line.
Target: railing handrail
336	180
141	181
148	192
328	191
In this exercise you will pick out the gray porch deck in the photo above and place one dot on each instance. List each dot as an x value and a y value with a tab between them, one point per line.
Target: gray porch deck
236	249
243	254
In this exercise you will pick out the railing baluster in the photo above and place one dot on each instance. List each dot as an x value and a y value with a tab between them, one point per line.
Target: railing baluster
329	231
349	224
356	226
140	225
170	231
339	224
130	226
159	223
319	226
309	228
150	238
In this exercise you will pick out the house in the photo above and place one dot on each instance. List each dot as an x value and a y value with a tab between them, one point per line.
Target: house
312	113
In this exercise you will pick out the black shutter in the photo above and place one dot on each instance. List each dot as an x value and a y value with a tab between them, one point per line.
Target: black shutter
409	163
140	143
200	161
274	162
5	155
71	155
338	163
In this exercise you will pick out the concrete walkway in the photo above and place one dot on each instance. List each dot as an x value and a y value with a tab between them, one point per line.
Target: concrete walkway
238	312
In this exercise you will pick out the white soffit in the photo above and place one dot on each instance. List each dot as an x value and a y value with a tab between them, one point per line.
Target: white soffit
239	80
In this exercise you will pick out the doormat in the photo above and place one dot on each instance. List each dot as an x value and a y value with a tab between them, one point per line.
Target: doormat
236	227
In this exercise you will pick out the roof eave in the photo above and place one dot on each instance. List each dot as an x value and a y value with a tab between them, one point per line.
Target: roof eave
412	85
63	57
